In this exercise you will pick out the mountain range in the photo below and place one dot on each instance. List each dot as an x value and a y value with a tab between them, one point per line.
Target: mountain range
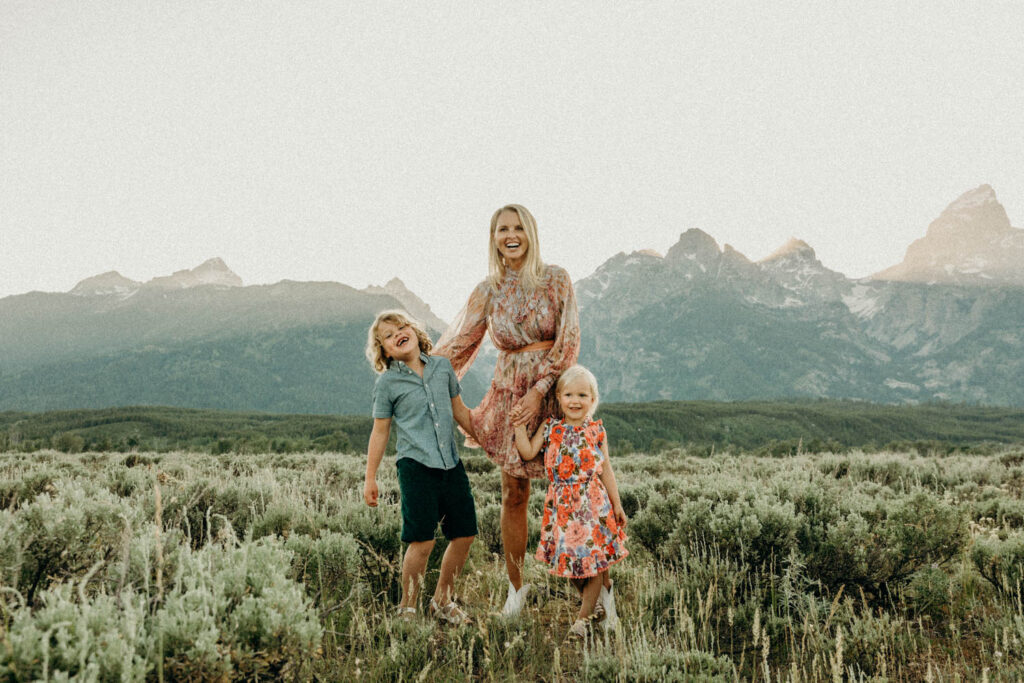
700	322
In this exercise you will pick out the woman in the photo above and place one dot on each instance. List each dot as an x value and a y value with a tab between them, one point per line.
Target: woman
530	310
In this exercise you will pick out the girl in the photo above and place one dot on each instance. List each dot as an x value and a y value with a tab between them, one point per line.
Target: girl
582	530
421	394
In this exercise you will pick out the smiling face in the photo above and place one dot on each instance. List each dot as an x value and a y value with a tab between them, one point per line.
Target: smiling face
510	239
576	398
398	341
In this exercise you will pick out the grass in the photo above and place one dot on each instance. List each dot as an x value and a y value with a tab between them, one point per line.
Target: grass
817	567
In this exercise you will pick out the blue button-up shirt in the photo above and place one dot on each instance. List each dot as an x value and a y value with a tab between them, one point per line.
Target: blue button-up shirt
421	410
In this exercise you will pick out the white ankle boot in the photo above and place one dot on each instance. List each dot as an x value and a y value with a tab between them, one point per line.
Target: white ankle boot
607	600
515	600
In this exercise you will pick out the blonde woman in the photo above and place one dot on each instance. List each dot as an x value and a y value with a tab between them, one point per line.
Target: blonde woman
529	308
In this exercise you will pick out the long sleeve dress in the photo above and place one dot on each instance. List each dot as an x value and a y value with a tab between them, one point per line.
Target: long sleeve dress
515	318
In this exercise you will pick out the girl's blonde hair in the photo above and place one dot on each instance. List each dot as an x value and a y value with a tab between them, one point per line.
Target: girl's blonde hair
375	351
533	269
574	373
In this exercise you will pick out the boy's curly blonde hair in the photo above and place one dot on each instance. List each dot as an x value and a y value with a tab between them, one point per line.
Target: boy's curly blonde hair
374	350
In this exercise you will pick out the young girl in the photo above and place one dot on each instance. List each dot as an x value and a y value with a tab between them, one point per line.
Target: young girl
582	531
421	394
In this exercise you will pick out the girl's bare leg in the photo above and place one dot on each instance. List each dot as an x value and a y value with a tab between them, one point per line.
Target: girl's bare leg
515	494
589	594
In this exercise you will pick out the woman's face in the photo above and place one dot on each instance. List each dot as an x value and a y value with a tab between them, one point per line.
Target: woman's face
510	239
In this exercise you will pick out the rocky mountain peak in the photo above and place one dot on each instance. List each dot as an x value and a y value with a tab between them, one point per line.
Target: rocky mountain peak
210	272
979	196
694	244
793	248
416	307
111	282
974	214
971	242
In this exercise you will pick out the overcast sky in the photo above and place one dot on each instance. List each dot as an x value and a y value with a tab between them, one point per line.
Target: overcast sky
358	141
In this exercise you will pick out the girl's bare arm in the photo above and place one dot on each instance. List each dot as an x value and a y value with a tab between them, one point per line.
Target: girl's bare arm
608	479
527	446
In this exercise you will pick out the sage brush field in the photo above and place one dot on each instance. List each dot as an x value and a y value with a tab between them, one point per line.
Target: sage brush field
185	566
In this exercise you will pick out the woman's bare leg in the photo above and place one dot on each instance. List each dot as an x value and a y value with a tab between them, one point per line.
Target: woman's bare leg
515	494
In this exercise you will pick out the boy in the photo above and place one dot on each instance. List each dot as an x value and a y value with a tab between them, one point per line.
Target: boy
420	393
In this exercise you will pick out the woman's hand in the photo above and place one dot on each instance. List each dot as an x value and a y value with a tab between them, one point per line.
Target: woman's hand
526	408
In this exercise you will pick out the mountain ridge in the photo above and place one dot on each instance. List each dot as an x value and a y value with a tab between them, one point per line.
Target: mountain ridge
701	322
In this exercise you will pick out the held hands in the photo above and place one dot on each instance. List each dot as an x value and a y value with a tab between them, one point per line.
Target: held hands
370	492
526	408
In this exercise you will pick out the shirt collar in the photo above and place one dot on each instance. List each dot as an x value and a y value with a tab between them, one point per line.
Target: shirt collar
402	367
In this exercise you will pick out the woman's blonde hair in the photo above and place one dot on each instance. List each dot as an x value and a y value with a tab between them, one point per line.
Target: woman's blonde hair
533	269
375	351
574	373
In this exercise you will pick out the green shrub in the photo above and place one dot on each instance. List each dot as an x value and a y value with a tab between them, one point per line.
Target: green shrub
927	593
378	532
658	667
1000	561
236	609
489	527
101	639
63	535
329	566
20	490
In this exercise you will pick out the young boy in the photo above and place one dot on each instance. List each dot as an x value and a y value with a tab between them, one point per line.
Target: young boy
420	393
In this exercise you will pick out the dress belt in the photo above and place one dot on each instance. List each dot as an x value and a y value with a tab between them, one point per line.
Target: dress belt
535	346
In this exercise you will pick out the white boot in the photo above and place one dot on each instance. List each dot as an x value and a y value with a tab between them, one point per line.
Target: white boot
515	600
607	600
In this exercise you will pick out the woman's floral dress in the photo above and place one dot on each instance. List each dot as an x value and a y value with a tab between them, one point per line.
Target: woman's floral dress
579	536
515	318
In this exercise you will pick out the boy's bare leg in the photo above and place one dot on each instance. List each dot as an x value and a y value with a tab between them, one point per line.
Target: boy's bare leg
589	594
451	566
414	567
515	494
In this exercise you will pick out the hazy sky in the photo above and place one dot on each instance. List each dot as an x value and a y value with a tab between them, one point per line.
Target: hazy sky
357	141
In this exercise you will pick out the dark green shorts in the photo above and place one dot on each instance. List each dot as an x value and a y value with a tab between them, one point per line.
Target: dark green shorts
430	496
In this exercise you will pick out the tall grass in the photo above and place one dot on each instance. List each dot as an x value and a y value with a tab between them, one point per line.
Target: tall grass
822	567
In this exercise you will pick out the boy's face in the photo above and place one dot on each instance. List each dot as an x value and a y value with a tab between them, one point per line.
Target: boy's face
399	342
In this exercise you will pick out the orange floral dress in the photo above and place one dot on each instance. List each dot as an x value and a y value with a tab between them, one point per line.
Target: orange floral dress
579	536
515	318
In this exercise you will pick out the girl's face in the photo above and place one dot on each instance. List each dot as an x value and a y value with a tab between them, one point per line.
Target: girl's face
510	239
575	399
